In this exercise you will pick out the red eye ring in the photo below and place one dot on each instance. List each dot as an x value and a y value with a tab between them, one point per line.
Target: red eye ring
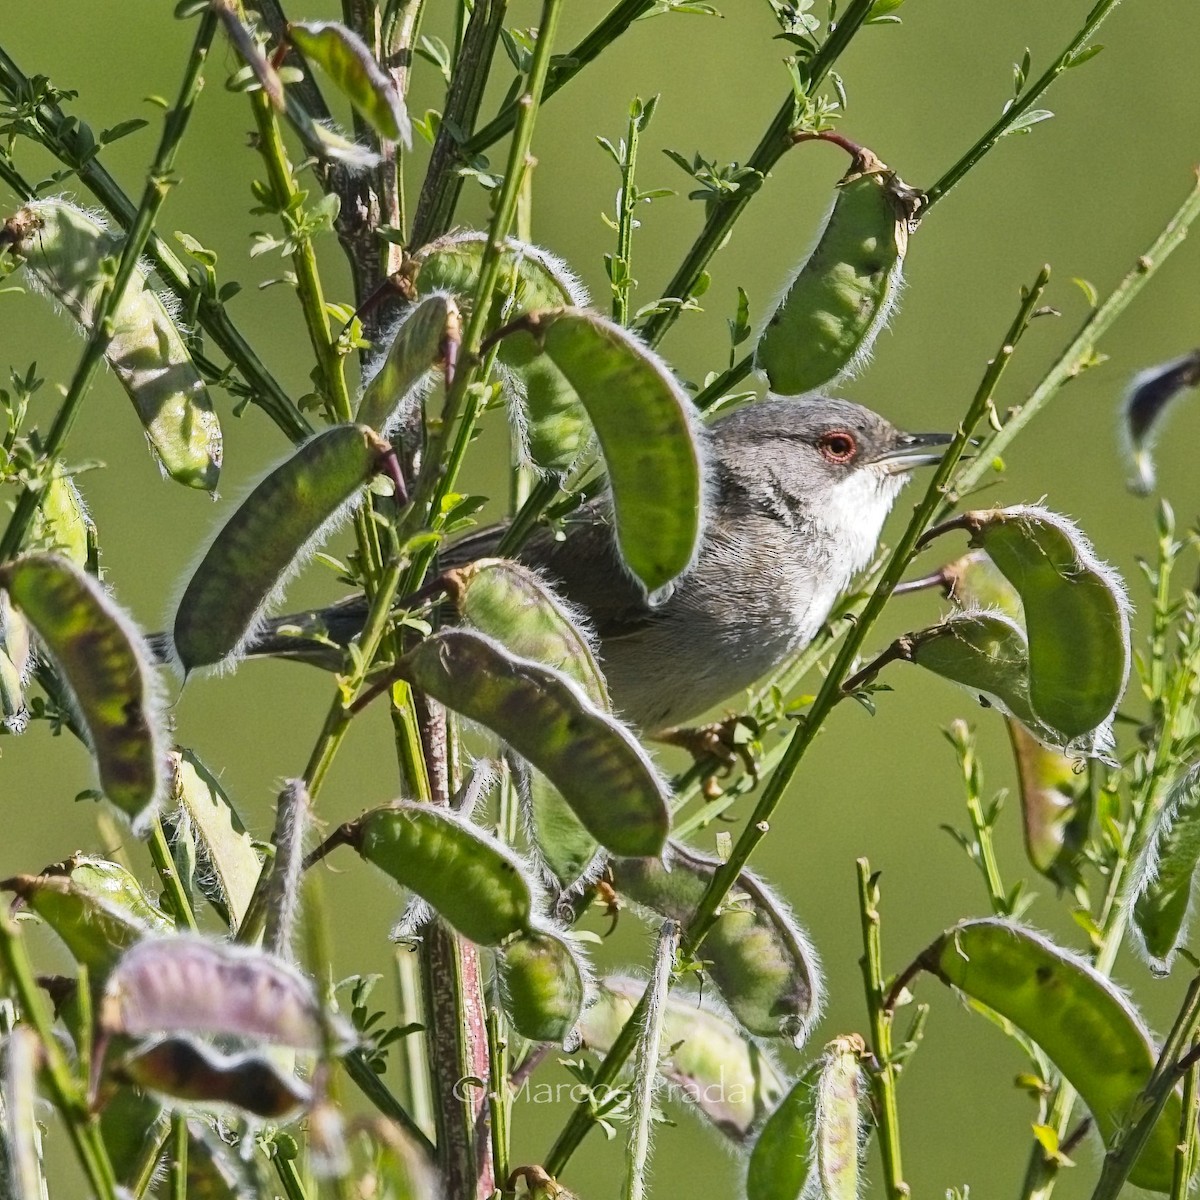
838	446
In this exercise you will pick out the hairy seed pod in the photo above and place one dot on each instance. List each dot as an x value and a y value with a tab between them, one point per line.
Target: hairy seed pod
184	1069
63	525
228	865
780	1162
16	665
1080	1019
763	965
96	907
63	248
21	1175
187	984
598	766
839	1118
1162	893
473	881
268	538
430	331
839	300
711	1063
293	815
543	983
105	665
345	58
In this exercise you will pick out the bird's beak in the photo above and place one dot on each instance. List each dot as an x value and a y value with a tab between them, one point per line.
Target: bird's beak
913	450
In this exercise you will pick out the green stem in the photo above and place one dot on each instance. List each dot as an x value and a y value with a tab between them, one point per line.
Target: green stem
729	378
158	183
262	388
374	1089
443	182
1020	106
883	1072
1185	1150
289	1177
626	204
499	1097
66	1095
728	207
164	864
563	69
179	1157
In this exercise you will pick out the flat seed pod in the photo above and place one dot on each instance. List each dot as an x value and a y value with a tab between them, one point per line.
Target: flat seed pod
183	1069
553	425
974	581
597	765
1051	796
1076	613
543	982
1163	892
1150	397
104	663
229	865
268	538
1080	1019
781	1161
96	907
16	665
473	881
63	248
762	964
644	422
419	343
515	606
345	58
187	984
839	1118
711	1063
839	299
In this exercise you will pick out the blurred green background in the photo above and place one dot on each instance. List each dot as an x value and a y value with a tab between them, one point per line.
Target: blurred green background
1086	192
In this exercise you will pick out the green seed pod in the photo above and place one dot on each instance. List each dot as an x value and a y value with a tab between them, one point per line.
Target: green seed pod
96	907
597	765
1081	1020
16	665
63	249
552	424
974	581
763	965
183	1069
473	881
839	1118
1053	804
1076	615
345	58
1151	396
645	424
780	1163
427	332
544	980
187	984
293	816
105	665
63	526
268	539
515	606
1162	893
711	1064
835	305
229	866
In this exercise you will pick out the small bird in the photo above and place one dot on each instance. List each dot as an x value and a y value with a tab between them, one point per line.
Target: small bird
798	494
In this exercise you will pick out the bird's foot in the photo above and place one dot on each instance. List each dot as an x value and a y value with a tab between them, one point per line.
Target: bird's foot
718	748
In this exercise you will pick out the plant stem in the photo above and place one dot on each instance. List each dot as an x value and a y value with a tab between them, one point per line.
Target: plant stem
66	1094
1185	1151
645	1079
164	864
499	1093
179	1157
1020	106
374	1089
627	199
262	388
443	183
562	70
726	209
158	183
883	1073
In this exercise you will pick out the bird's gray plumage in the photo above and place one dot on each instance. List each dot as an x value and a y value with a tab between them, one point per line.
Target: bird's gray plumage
790	522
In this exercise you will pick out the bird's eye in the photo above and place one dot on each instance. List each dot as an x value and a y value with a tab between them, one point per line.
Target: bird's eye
838	446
